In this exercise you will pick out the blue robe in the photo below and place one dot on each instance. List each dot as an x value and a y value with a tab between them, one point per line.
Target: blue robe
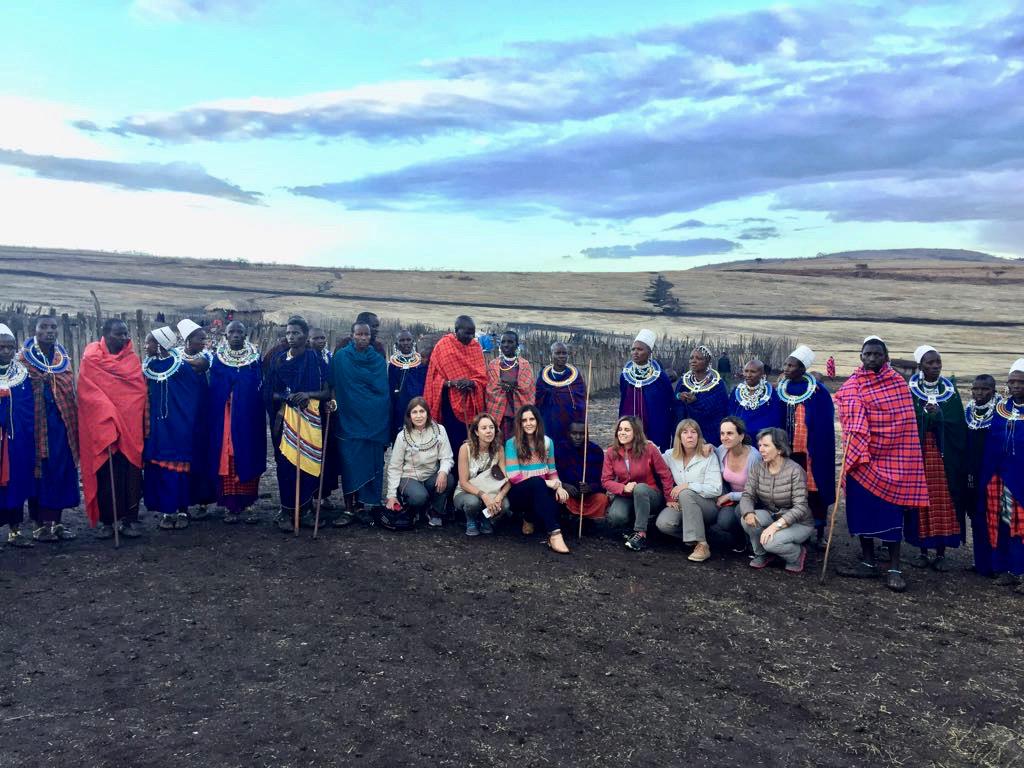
307	372
17	421
57	489
1003	458
203	473
243	386
561	406
707	410
404	384
173	405
360	381
771	414
819	415
652	404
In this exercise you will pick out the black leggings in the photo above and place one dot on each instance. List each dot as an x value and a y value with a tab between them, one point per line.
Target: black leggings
537	502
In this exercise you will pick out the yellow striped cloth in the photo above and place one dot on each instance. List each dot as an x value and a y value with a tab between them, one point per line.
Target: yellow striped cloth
302	441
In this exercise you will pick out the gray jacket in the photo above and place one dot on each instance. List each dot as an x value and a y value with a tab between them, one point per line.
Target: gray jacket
783	495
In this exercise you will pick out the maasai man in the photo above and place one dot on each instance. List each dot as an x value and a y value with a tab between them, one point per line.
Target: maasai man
294	385
979	412
202	476
884	473
701	395
569	463
174	393
456	380
407	376
561	395
17	439
370	319
645	391
112	396
1002	478
237	435
942	429
332	461
724	366
55	485
810	424
830	367
359	378
754	401
318	342
510	384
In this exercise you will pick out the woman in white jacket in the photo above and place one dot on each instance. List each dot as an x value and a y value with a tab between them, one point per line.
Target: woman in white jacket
692	513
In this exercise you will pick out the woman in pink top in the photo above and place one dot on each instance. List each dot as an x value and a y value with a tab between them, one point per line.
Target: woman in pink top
736	456
636	477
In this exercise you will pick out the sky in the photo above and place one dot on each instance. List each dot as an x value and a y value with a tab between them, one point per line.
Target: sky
519	136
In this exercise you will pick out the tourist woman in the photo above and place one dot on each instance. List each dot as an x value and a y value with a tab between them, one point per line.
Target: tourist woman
420	470
536	490
773	508
736	456
701	395
645	391
635	475
691	512
482	492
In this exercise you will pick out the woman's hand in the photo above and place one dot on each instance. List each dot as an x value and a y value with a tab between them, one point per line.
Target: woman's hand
672	504
674	494
392	504
708	449
769	533
561	495
687	397
724	501
750	519
628	487
441	484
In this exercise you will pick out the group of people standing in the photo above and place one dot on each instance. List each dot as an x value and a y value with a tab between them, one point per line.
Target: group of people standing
751	469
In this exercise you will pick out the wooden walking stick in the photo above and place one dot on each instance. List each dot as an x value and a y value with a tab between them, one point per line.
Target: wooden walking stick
586	443
835	508
323	470
113	496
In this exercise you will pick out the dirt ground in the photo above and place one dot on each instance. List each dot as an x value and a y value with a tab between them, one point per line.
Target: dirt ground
241	646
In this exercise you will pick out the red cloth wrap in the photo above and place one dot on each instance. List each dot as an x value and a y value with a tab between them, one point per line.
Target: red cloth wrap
451	359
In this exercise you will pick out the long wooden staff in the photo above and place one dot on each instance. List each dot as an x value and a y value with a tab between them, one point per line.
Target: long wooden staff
835	508
113	496
586	442
323	471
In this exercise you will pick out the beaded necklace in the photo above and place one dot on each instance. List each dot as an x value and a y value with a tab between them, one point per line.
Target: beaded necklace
641	375
1010	411
158	377
325	355
753	398
709	382
794	400
935	392
13	375
35	357
571	373
237	358
508	363
398	360
980	416
432	439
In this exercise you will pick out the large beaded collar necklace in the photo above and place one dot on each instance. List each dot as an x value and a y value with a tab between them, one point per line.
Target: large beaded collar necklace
507	363
548	373
980	416
753	398
398	360
794	400
938	391
161	376
641	375
201	354
13	375
709	382
1010	411
237	358
34	356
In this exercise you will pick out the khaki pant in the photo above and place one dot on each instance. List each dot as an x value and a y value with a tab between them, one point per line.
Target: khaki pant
786	543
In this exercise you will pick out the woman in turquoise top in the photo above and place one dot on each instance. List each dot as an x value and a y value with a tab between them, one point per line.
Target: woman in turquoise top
536	490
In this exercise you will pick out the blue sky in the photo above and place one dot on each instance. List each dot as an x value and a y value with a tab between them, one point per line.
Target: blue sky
533	135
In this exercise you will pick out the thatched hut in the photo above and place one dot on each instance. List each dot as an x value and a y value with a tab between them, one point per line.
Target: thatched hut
227	308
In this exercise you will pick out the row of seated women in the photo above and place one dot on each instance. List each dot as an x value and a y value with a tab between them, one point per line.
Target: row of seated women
733	497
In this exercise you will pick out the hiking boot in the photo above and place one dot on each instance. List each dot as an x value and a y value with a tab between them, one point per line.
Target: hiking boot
637	542
700	553
434	521
128	529
762	561
798	565
15	538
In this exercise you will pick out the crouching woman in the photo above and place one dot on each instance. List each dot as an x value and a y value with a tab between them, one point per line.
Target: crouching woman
419	473
483	484
536	490
773	508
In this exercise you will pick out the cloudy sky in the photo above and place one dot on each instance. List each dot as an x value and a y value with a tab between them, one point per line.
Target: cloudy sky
529	135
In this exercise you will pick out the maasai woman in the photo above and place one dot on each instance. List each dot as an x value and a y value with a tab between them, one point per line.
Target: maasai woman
237	435
510	384
17	439
407	376
55	485
295	384
942	430
536	490
203	473
456	380
585	487
701	395
359	377
174	392
645	392
561	395
810	427
1002	478
979	412
884	472
754	402
482	491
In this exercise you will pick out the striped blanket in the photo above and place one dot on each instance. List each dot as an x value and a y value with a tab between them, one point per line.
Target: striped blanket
302	440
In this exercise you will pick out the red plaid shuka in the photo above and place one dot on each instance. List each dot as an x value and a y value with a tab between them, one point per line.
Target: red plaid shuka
994	511
450	360
63	386
939	519
497	398
883	451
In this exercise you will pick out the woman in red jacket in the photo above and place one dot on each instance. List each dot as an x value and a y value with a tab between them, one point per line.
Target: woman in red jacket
636	477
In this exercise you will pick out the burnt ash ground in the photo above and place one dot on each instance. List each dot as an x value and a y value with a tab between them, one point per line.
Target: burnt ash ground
241	646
